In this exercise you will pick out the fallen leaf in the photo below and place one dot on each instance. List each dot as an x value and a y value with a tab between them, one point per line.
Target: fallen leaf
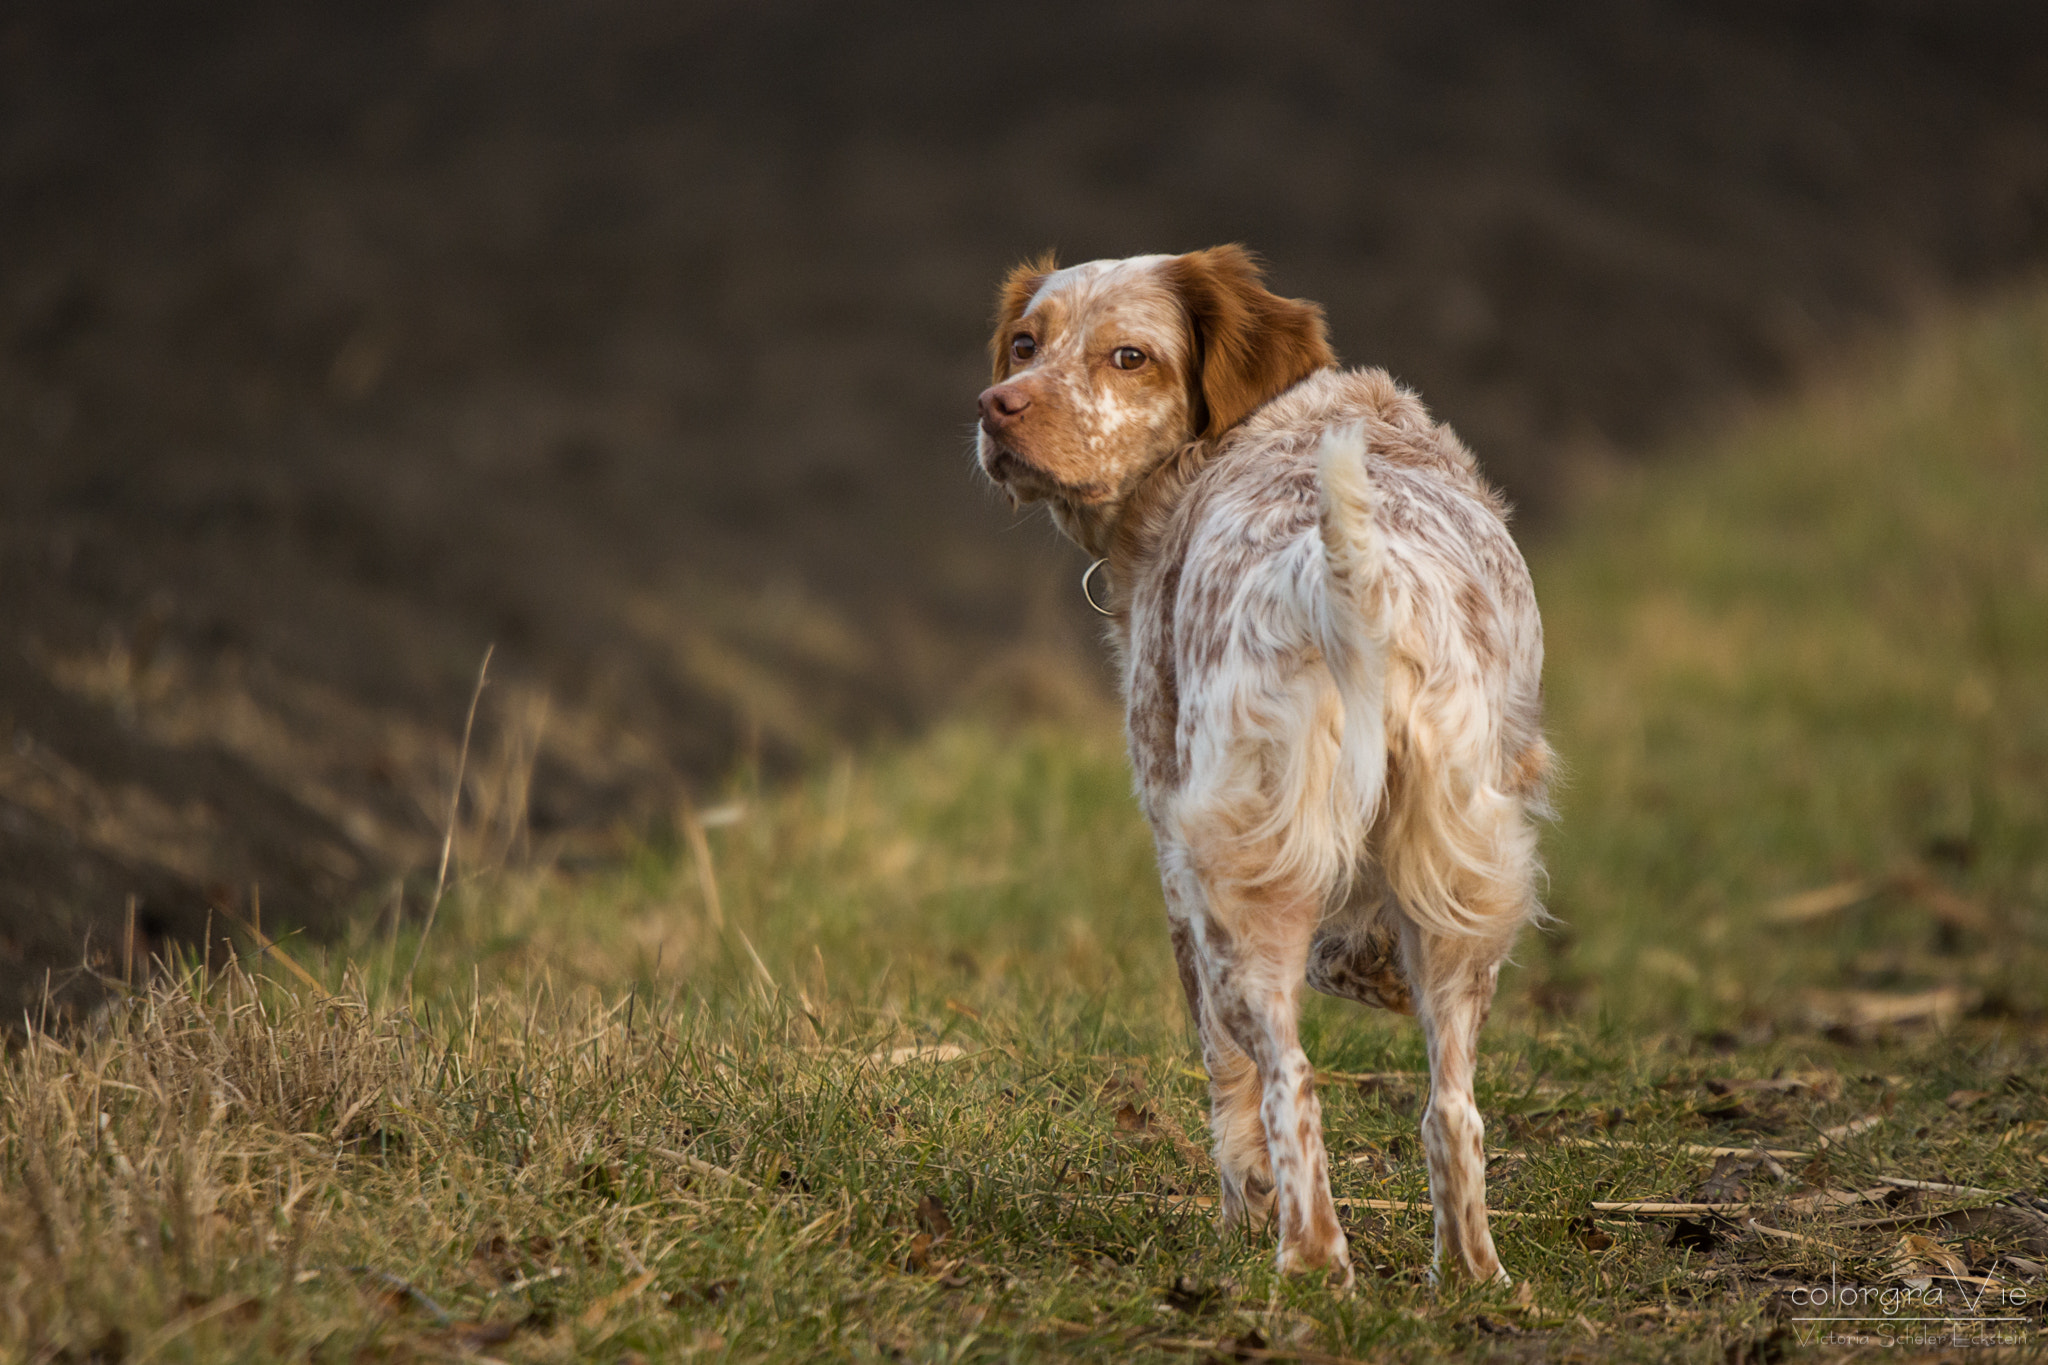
1821	901
1843	1131
1588	1234
1917	1255
932	1214
2023	1229
1495	1327
602	1308
1966	1099
1727	1182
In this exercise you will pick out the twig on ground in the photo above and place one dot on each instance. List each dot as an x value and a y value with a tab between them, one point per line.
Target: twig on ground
1908	1220
1209	1201
1937	1187
699	1166
1243	1352
1651	1208
529	1281
1250	1353
1823	1199
1689	1148
1785	1236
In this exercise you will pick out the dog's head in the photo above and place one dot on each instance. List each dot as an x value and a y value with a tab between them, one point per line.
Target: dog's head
1105	370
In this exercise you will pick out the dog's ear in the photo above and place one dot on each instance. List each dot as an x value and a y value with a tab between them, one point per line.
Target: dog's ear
1251	345
1011	301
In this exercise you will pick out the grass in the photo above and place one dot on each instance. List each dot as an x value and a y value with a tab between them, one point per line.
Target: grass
891	1065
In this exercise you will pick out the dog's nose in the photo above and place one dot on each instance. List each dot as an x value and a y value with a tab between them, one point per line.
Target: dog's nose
1001	403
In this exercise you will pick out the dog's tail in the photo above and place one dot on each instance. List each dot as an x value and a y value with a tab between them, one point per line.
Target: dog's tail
1351	621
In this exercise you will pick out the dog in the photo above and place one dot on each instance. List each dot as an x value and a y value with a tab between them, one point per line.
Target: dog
1331	662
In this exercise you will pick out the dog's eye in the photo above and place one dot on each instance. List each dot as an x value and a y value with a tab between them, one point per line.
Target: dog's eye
1127	357
1022	348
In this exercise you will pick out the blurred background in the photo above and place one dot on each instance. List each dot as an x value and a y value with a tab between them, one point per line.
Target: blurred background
640	342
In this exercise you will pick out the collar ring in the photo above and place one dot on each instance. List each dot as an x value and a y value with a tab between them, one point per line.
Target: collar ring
1088	589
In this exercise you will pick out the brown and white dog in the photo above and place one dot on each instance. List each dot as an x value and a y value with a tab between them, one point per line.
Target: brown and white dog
1331	662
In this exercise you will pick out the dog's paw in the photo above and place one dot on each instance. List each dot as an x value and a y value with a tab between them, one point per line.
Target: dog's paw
1331	1259
1248	1201
1499	1277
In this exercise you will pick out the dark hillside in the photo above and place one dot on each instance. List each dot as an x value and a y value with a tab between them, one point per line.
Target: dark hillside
641	339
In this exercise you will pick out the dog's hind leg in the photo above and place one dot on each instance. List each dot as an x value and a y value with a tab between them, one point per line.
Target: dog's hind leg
1251	955
1461	860
1453	978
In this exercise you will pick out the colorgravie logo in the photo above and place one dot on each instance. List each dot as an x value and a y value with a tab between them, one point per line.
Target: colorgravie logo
1917	1312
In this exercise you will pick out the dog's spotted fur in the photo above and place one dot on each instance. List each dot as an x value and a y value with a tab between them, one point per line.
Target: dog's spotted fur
1331	659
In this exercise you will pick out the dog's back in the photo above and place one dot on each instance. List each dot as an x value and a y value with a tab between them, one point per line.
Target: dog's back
1341	521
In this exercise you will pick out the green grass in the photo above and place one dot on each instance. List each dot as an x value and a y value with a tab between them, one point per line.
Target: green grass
895	1067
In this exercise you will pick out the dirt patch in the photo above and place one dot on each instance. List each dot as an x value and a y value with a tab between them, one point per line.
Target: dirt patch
641	340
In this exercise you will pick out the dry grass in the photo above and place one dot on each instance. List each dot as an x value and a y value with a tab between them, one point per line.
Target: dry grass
891	1064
